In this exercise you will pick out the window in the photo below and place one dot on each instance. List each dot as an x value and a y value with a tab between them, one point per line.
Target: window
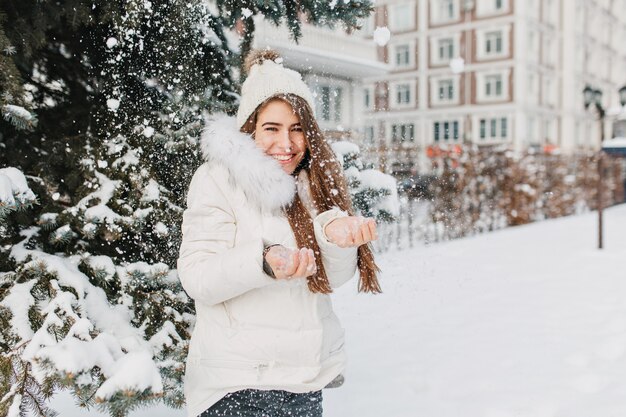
446	49
402	17
325	103
532	138
402	132
446	9
367	99
337	107
493	86
402	55
330	98
531	41
446	90
548	51
493	43
368	135
491	7
446	130
496	128
403	94
442	11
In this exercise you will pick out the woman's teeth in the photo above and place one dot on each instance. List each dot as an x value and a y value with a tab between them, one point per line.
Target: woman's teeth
282	158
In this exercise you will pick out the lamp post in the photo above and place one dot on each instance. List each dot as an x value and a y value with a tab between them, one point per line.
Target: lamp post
622	96
594	96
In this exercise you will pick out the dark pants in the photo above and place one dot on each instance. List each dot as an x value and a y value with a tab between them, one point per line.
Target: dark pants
275	403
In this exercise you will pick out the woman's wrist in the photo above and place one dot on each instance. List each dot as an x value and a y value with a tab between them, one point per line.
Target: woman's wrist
266	266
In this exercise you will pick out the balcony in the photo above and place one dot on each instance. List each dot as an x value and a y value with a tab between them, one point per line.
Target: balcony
322	50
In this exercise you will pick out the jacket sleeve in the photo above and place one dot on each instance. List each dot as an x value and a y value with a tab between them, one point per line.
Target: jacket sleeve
340	263
210	267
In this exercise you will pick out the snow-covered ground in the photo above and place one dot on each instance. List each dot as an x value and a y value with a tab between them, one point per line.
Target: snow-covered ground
526	322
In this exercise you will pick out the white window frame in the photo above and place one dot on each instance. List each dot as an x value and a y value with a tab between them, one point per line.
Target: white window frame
402	125
403	10
481	41
493	40
332	108
548	90
411	55
402	94
436	15
481	78
370	92
548	51
486	8
493	83
393	88
435	99
490	122
366	139
435	59
442	132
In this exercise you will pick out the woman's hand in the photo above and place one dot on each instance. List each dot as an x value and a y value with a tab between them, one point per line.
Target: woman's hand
351	231
291	263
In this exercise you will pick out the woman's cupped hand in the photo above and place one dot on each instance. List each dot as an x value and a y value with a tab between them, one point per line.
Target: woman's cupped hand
291	263
351	231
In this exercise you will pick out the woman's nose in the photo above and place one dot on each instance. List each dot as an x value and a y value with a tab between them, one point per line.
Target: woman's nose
284	139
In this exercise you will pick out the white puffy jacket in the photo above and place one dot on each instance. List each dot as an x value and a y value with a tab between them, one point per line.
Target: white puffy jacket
253	331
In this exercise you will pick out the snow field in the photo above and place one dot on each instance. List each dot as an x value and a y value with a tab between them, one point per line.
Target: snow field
524	322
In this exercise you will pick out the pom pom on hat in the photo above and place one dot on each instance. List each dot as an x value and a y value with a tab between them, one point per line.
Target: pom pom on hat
266	78
258	56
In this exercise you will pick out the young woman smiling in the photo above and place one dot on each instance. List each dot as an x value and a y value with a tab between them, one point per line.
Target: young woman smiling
268	232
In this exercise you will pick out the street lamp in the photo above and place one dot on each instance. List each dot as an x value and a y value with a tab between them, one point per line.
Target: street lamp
594	96
588	96
622	96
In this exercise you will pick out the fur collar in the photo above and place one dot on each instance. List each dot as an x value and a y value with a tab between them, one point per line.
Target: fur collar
259	176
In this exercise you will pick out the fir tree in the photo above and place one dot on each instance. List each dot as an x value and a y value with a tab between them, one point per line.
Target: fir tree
374	194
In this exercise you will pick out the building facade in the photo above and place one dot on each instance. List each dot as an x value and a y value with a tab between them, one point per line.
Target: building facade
489	72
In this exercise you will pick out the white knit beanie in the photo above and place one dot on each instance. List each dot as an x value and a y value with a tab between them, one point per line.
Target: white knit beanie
266	78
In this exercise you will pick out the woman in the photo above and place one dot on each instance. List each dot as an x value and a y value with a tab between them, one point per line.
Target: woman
267	234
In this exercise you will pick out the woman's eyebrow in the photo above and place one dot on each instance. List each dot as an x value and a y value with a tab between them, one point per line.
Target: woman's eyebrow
271	123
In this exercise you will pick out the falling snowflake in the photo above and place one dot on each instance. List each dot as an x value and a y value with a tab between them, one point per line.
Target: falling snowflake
10	50
382	35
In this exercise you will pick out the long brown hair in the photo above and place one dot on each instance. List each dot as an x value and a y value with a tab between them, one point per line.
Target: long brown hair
325	176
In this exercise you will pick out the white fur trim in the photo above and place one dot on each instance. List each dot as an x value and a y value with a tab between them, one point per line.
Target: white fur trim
259	176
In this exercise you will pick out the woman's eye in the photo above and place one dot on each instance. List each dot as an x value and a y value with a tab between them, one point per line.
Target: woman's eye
273	129
297	129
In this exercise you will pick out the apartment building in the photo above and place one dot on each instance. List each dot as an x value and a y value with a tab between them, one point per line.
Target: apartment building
489	72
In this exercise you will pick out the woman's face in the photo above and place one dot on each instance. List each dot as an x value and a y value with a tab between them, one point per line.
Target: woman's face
279	134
